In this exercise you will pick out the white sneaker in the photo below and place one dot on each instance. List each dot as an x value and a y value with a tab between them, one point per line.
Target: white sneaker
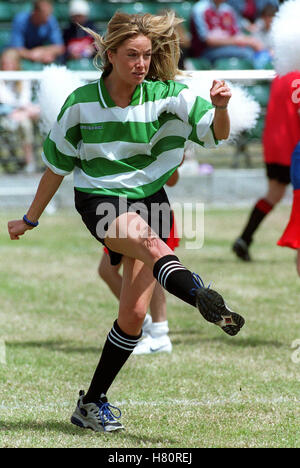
96	416
150	345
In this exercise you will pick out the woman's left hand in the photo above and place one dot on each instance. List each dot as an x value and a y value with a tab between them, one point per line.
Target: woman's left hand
220	93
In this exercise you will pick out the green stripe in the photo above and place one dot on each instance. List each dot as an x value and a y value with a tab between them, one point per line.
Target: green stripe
100	167
152	91
199	109
155	90
106	132
84	94
56	158
168	143
134	193
73	135
194	137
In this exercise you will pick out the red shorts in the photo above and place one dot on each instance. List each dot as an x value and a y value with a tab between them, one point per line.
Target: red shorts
291	236
173	240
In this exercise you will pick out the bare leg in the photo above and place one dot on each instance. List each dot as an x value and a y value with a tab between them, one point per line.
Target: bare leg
158	305
112	277
276	191
131	236
110	274
137	288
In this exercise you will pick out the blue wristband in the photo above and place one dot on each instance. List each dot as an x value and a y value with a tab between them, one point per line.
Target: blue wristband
30	223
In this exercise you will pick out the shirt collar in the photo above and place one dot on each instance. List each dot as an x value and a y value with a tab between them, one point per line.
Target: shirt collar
106	100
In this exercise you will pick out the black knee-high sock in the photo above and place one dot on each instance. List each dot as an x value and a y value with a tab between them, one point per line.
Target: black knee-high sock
259	212
175	278
116	351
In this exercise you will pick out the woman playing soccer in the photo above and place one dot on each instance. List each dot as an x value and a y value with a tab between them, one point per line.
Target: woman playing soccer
123	137
155	327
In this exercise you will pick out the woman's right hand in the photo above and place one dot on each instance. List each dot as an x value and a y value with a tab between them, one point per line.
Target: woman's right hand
17	228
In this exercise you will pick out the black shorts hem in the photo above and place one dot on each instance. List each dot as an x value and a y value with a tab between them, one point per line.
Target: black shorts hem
278	172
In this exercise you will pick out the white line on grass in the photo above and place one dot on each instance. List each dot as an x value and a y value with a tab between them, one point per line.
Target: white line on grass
234	400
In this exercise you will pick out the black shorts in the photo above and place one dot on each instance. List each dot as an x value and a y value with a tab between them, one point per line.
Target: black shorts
99	211
279	172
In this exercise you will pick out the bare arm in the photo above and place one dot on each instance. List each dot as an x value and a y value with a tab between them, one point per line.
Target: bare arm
47	188
43	54
220	95
240	40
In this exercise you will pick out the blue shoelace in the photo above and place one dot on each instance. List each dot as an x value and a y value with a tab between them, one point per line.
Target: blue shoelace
199	283
106	413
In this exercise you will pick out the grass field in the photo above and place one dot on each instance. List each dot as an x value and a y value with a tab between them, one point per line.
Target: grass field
211	391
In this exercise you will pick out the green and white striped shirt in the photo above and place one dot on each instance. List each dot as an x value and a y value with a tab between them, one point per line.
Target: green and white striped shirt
129	151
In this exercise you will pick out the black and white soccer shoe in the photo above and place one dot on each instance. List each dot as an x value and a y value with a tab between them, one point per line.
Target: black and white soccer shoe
212	307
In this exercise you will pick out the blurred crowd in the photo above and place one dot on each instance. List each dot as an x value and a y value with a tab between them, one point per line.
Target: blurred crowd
216	29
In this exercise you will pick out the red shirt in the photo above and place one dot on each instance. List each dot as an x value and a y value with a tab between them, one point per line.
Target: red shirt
282	124
222	20
206	18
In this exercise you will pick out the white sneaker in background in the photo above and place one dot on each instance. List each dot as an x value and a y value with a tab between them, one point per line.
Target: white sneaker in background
151	345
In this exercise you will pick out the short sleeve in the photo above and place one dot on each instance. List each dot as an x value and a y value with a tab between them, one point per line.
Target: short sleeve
199	114
60	149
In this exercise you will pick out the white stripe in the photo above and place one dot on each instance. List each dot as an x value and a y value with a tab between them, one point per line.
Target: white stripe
169	270
171	263
166	161
181	105
117	345
141	94
118	150
172	271
113	151
122	338
57	135
166	265
92	112
101	95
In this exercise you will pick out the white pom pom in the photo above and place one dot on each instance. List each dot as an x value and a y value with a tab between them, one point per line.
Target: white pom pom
55	86
243	111
285	34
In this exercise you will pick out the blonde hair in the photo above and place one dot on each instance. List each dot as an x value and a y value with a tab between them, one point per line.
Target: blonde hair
161	30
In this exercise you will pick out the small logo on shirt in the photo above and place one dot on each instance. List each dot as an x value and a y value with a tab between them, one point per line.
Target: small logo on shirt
91	127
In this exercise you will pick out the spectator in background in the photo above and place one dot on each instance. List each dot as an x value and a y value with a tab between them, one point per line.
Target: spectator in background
216	34
36	34
262	26
250	10
17	110
78	43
